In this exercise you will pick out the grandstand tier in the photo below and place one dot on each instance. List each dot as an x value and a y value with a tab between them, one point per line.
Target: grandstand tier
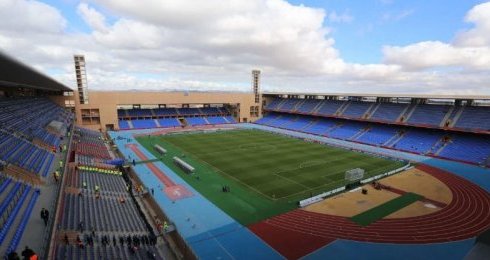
462	118
465	147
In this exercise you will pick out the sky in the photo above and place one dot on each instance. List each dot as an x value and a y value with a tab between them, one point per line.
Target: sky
329	46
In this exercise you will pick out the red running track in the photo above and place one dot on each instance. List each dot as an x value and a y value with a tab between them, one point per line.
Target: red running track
158	173
466	216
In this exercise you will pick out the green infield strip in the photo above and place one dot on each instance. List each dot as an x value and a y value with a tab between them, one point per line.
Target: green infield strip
385	209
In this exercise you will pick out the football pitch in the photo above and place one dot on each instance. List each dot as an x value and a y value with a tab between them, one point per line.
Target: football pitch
273	165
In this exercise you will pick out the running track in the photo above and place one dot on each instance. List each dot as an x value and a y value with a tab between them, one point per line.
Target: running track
299	232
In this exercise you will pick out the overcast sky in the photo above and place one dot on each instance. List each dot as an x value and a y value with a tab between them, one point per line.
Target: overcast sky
368	46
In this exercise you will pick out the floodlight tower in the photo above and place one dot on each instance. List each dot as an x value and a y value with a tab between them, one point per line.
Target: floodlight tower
81	74
257	108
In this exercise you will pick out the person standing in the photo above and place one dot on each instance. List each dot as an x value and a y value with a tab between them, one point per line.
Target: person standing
45	216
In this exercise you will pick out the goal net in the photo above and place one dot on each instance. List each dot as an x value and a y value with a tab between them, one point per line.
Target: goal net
354	174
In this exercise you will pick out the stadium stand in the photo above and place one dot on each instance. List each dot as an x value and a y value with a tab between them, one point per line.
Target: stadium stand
152	118
462	147
474	118
428	115
388	112
99	215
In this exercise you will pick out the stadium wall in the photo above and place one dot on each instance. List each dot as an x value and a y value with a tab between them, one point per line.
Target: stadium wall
106	102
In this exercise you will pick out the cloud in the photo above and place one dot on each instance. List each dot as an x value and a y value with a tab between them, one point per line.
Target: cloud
344	17
213	45
397	16
470	49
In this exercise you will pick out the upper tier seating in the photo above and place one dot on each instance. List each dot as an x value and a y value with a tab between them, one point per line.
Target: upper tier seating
356	109
30	116
474	118
165	111
329	107
388	112
309	105
289	104
428	114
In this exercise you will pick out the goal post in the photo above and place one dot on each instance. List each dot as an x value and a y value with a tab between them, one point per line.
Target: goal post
354	174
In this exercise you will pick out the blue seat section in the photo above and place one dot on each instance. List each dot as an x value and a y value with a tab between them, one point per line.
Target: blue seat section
169	122
347	130
299	123
474	118
320	127
267	118
356	109
30	116
5	228
121	113
139	112
428	114
418	140
215	120
123	124
230	119
389	112
196	121
469	148
289	104
211	111
189	111
14	243
143	123
309	105
378	135
280	120
329	107
165	111
273	104
22	153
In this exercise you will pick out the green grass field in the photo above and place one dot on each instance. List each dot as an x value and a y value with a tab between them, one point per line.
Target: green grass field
267	173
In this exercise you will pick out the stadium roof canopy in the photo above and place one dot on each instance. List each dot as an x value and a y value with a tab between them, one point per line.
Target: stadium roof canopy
422	96
13	73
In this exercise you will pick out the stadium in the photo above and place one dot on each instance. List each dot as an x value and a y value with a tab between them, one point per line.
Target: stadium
256	174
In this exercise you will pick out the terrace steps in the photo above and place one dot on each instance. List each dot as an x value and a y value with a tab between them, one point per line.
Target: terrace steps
402	114
371	110
441	148
410	111
157	123
445	119
298	105
394	139
312	123
456	117
317	107
130	124
342	108
360	133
